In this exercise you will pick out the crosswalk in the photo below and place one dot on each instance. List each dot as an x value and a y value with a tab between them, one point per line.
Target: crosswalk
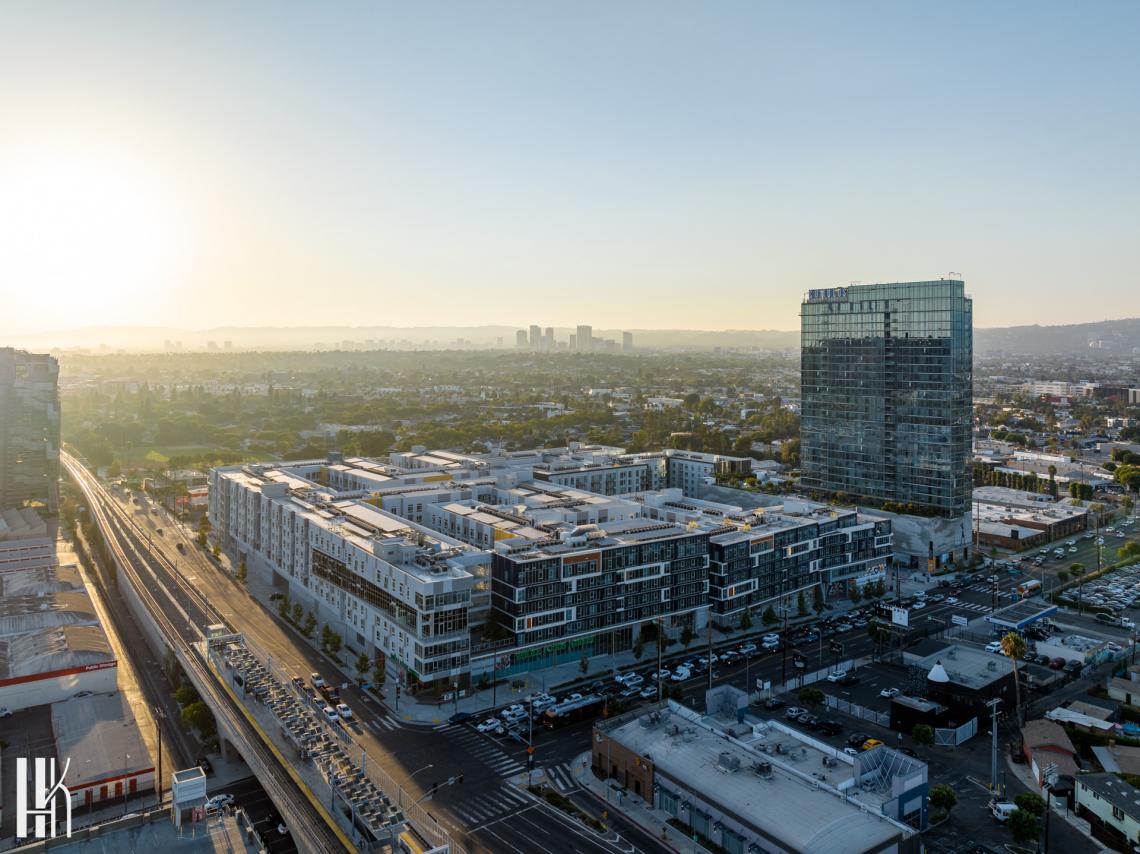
479	809
971	606
382	724
483	749
562	777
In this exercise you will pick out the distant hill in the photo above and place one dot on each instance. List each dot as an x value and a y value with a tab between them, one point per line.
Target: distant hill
1109	336
1115	336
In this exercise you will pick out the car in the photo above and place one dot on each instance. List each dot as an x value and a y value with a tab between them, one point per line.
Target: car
750	648
937	597
794	712
631	691
663	673
680	674
632	680
215	803
330	714
1072	666
1042	659
837	676
890	693
951	600
849	679
515	709
1103	617
829	728
918	606
908	752
575	696
857	738
1057	663
774	703
346	713
543	703
994	646
851	751
771	636
650	692
204	764
871	743
316	681
490	725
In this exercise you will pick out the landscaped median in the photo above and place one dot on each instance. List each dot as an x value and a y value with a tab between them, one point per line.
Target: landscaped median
559	800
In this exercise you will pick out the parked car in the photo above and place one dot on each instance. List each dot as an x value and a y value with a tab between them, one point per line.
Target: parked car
849	679
773	703
837	676
829	728
856	739
793	712
490	725
1072	666
631	691
889	693
994	646
1057	663
680	674
648	693
870	743
216	802
749	648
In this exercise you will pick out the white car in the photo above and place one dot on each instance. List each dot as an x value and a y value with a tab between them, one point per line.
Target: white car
663	673
316	680
330	714
680	674
344	711
889	693
918	606
951	600
5	712
646	693
748	649
770	638
218	801
490	725
837	676
994	646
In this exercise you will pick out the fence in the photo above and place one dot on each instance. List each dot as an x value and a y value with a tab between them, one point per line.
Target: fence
857	711
953	736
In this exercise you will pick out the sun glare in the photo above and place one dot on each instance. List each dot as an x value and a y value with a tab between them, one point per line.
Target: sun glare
85	233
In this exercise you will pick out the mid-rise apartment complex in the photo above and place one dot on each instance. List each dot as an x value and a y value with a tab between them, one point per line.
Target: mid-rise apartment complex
886	399
454	566
29	428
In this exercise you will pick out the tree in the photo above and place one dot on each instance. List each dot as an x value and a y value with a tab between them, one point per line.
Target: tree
186	695
335	643
638	650
811	696
1126	503
199	717
283	608
769	617
687	636
854	594
1062	576
1031	803
241	573
801	604
309	625
326	636
1128	550
378	674
584	663
298	613
746	620
217	550
1023	825
1013	645
363	662
942	797
922	735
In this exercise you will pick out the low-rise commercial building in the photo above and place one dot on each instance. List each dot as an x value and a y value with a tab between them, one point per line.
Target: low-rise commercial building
773	793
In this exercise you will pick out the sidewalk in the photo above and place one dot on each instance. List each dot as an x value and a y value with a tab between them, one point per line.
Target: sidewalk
650	820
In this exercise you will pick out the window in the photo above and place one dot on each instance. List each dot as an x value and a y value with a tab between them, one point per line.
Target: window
1118	813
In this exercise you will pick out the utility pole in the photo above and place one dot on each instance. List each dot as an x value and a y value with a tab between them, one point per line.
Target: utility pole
993	704
710	653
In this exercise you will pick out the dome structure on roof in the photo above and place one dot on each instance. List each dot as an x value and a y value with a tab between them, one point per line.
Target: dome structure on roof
938	673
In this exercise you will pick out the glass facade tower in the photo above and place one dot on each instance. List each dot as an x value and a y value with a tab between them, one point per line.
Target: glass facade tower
887	393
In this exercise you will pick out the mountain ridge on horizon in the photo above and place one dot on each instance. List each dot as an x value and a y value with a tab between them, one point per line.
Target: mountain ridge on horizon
1121	335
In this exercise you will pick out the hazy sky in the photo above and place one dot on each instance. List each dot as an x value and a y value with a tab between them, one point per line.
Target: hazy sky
637	165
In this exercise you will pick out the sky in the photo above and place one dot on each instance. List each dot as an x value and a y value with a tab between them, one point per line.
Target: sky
631	165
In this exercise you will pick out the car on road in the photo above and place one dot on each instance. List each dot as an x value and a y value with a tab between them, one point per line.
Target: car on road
1057	663
1072	666
908	752
870	743
316	681
631	691
829	728
773	703
851	751
680	674
750	648
856	739
771	637
490	725
951	600
215	803
994	646
918	606
837	676
890	693
794	712
647	693
346	713
330	714
663	673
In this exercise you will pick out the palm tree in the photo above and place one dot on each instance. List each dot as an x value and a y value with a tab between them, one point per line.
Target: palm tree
1013	645
1077	569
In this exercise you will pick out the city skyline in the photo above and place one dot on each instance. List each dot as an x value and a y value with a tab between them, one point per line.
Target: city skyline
687	167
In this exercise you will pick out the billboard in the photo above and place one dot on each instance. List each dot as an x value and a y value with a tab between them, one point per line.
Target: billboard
959	620
900	617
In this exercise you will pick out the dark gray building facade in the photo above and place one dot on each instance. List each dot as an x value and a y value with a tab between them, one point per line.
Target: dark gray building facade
887	394
29	428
